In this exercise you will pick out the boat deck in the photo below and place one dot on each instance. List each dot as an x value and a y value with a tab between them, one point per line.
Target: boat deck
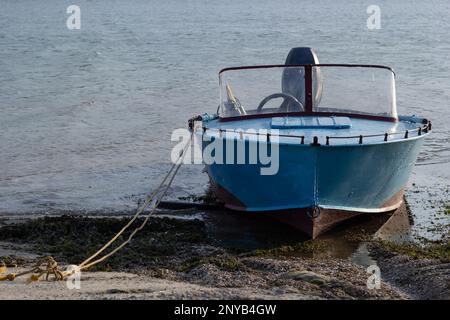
328	130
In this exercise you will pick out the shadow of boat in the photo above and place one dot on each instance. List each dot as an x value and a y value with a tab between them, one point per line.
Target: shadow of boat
246	232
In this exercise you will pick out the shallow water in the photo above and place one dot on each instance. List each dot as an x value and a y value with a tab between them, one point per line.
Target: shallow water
87	114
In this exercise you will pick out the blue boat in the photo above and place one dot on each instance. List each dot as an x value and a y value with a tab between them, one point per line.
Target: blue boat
310	144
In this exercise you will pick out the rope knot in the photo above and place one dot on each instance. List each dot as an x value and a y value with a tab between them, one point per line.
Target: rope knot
47	266
8	277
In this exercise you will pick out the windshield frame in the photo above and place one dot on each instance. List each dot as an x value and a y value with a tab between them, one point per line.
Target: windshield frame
309	109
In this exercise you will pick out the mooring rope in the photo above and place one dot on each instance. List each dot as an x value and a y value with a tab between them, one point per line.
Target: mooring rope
154	199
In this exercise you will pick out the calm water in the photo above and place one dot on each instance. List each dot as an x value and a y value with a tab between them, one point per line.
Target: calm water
86	115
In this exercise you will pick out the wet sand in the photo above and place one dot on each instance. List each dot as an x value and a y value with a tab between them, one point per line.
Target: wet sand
198	259
208	281
419	278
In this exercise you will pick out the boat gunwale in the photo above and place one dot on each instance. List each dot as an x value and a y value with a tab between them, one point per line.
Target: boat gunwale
422	131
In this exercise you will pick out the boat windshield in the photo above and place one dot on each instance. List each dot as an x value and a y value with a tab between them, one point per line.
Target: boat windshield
308	89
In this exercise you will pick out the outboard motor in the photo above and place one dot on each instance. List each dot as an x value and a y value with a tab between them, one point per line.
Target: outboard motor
293	81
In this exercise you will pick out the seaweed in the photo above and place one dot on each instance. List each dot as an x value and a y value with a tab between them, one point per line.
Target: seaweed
439	250
306	247
162	242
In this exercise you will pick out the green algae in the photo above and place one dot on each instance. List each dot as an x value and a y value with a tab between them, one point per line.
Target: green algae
162	242
447	209
306	247
439	250
226	263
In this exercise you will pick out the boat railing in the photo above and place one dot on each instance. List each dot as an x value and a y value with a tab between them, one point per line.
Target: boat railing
425	128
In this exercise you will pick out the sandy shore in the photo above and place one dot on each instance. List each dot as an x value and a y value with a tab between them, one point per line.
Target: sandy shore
262	279
177	260
122	285
419	278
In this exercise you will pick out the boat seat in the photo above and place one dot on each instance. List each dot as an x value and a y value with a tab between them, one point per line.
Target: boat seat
311	122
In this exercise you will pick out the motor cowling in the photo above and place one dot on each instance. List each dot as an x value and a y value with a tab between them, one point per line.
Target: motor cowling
293	79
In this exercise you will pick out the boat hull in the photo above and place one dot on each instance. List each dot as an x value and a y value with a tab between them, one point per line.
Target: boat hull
315	221
317	187
311	221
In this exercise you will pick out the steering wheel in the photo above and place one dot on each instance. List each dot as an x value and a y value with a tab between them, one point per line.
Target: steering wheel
284	104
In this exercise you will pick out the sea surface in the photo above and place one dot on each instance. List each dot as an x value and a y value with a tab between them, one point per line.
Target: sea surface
87	115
